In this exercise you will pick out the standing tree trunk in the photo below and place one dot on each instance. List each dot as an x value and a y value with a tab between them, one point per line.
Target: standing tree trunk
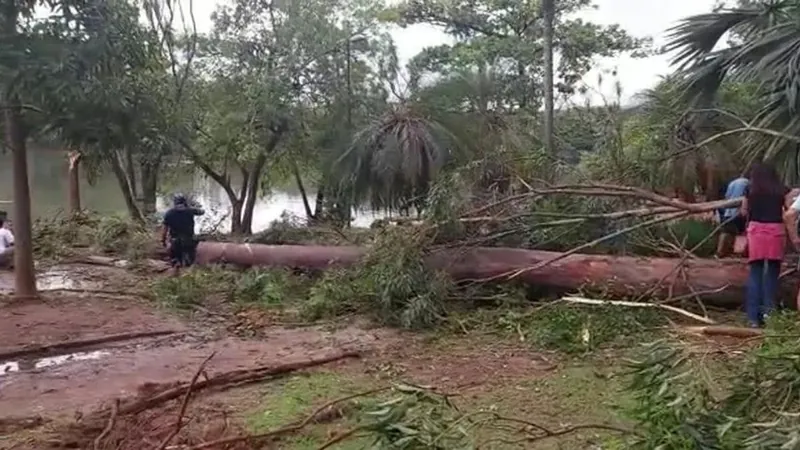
299	180
130	171
319	202
74	182
125	187
250	194
149	183
236	215
25	279
25	275
548	12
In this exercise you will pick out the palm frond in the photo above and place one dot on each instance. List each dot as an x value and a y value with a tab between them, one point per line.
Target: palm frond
695	37
766	51
392	162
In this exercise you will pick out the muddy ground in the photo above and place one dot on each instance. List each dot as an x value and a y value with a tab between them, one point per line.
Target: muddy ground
92	339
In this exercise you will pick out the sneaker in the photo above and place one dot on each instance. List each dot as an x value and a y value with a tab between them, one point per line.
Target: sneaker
755	325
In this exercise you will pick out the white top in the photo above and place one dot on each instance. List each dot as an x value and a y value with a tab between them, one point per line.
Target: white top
6	239
796	204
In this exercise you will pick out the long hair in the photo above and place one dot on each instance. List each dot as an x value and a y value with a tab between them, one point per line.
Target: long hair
764	180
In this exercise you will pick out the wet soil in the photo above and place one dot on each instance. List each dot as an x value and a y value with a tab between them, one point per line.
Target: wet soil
78	378
73	381
60	317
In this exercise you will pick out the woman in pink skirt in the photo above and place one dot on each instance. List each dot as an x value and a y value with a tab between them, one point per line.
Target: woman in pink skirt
766	235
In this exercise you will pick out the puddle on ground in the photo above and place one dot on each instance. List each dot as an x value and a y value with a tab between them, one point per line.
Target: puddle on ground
51	280
58	279
50	361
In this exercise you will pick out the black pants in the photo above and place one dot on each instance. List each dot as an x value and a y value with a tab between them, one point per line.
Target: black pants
736	227
182	251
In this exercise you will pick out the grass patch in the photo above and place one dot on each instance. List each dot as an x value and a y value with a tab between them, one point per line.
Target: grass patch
577	394
260	288
572	329
268	288
294	398
193	287
414	418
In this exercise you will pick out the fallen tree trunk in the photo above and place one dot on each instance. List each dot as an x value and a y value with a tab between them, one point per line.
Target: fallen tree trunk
722	281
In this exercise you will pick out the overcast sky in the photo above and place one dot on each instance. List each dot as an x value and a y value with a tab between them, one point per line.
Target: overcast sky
639	17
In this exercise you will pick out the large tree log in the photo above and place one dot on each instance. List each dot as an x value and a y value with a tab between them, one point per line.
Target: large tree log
720	280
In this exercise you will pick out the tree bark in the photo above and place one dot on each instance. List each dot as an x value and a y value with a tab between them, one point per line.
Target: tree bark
25	275
74	182
237	201
130	172
149	177
319	202
299	180
251	194
236	215
548	13
720	280
125	187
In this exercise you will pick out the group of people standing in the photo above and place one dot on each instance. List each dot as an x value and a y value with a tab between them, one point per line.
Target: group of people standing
766	216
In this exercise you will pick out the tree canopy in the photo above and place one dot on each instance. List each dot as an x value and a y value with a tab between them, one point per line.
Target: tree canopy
314	92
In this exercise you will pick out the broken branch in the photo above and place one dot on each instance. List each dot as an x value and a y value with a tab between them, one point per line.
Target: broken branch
683	312
112	420
514	274
237	377
185	404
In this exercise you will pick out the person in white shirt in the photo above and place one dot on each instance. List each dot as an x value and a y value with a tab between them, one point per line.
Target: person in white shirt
790	217
6	245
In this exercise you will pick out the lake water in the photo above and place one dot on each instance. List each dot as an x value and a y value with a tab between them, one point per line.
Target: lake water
48	180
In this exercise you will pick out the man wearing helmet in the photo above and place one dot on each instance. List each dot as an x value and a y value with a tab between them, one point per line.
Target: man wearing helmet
178	225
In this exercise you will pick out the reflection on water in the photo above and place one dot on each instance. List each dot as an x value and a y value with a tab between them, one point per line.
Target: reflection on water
48	178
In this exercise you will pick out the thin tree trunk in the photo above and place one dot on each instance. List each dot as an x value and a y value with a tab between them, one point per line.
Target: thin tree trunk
74	182
149	177
130	172
523	102
251	193
299	179
548	11
252	185
222	180
125	187
25	275
319	202
25	279
236	215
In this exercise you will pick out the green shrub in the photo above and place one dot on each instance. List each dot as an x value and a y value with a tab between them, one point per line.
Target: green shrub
263	287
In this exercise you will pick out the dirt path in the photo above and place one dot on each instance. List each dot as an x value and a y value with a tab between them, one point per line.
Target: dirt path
63	381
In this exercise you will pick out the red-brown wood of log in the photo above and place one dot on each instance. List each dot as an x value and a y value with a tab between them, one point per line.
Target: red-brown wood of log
621	275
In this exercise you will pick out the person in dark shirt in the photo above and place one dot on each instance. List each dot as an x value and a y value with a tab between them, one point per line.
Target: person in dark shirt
763	205
178	226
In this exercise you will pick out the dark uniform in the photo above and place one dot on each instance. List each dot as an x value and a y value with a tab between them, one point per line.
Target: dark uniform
179	221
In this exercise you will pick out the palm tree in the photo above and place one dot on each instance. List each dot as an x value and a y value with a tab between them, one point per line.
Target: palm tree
392	162
763	49
670	124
